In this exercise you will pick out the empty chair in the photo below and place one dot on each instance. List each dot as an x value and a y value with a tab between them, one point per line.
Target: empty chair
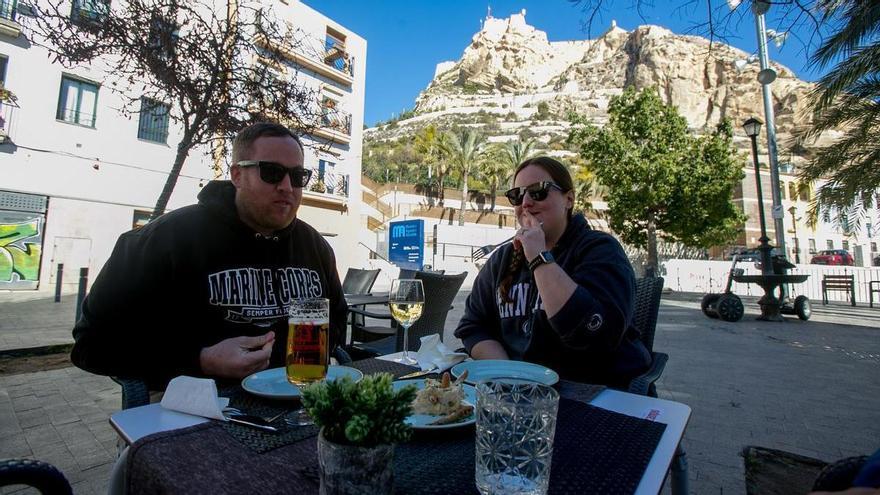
440	291
358	281
43	476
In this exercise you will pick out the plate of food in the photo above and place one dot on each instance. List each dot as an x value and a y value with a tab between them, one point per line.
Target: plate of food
440	404
273	384
490	369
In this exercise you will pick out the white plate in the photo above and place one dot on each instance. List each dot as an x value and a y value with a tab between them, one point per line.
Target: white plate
273	384
489	369
420	421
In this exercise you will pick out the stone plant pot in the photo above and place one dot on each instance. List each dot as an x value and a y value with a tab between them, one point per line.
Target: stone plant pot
350	470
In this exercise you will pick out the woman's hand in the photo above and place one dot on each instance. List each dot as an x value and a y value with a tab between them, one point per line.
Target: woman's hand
530	236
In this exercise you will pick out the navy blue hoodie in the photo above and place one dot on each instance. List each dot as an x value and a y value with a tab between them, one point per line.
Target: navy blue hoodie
194	277
591	339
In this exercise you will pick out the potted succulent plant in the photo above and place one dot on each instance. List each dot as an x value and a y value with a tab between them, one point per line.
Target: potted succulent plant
360	424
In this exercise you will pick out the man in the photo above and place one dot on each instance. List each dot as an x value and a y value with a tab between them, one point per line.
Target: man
204	290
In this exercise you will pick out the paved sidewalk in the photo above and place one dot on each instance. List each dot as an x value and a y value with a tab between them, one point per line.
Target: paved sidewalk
807	387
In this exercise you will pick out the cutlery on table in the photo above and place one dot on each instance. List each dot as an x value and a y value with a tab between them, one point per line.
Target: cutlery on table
416	374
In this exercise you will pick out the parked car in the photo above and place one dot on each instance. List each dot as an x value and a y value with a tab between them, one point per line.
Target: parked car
833	257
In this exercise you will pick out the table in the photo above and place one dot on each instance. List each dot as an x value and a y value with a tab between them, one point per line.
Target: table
133	424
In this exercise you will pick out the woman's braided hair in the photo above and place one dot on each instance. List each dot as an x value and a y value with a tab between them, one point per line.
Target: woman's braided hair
561	176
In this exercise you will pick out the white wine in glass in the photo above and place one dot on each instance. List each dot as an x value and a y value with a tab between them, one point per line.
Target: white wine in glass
406	300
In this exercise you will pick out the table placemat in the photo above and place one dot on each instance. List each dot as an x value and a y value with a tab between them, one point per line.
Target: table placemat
595	451
373	365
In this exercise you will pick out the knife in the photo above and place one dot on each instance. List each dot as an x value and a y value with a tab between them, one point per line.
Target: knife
254	421
416	374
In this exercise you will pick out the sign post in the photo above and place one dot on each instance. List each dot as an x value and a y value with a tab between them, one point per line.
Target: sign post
406	241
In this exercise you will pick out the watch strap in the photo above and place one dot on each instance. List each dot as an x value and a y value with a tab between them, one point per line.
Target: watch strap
543	258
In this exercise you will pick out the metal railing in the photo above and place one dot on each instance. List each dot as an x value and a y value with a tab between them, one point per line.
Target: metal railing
329	183
336	56
337	120
8	115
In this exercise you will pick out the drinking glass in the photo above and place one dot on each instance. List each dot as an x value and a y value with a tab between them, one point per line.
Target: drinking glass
406	300
308	344
516	420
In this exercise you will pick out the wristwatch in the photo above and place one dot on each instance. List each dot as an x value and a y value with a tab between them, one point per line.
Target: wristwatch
543	258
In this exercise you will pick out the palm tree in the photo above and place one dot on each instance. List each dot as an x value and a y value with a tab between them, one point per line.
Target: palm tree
847	97
505	157
464	150
426	145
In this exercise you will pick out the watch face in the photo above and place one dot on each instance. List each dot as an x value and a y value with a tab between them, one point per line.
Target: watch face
547	256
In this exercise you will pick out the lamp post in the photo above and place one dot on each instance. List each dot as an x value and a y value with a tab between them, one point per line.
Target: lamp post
766	76
797	249
753	128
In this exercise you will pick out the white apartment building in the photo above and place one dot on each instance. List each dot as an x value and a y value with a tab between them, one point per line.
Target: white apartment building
75	173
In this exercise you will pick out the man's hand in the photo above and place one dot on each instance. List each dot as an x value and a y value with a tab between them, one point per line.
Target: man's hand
237	357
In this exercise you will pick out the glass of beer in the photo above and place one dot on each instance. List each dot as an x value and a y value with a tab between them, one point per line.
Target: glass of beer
308	344
406	300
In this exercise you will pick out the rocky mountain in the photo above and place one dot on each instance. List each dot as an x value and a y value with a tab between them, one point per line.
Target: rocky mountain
510	70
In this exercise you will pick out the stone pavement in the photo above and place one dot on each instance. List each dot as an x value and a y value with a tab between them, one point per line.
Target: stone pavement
807	387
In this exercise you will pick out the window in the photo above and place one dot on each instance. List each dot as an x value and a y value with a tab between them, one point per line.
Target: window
163	37
812	245
804	192
873	247
782	190
77	102
89	12
845	245
3	62
153	121
7	9
829	244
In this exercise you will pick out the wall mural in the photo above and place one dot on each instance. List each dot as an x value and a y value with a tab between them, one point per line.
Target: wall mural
21	239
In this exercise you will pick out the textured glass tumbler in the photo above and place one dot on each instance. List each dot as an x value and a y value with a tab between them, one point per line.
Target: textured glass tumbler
516	420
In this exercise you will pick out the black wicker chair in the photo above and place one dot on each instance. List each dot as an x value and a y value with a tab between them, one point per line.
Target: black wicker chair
43	476
440	291
777	472
647	306
358	281
134	392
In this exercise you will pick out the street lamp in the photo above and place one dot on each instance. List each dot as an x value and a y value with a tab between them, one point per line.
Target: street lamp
797	247
753	128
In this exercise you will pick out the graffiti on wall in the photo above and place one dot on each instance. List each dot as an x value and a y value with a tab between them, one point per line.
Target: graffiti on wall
20	248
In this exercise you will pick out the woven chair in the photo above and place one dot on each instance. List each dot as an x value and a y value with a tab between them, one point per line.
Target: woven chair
134	392
440	291
358	281
647	306
43	476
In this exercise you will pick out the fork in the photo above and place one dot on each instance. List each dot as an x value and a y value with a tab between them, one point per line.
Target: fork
269	419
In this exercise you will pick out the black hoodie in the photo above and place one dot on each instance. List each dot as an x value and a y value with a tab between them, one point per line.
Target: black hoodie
591	339
194	277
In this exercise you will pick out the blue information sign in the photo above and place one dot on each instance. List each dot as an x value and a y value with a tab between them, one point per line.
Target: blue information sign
406	242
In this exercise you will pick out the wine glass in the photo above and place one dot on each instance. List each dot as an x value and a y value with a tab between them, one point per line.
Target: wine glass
406	300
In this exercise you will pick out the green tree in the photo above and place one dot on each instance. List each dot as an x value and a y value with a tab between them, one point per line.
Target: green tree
847	98
464	149
427	145
662	180
504	158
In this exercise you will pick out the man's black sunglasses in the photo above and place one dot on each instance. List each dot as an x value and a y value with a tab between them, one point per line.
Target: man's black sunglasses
537	191
273	173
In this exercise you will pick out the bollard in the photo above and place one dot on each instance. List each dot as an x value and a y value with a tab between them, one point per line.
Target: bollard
81	294
58	282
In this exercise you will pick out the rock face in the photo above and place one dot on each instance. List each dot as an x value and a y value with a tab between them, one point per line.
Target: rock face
510	66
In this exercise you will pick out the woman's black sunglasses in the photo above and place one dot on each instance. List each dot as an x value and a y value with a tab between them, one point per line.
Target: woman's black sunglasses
273	173
537	191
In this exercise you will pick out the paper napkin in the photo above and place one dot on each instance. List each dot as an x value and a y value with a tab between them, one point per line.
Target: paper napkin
196	396
434	354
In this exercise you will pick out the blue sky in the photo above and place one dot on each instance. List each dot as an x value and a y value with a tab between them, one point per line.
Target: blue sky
407	38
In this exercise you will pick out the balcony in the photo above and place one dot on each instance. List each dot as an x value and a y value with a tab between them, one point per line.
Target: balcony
335	126
8	115
8	23
89	13
327	190
337	66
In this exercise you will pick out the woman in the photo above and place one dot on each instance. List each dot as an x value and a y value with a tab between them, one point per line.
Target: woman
561	294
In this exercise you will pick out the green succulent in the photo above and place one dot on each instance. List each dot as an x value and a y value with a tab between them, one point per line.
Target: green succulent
365	413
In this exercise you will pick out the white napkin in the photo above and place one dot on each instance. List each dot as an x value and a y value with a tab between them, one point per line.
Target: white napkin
196	396
434	354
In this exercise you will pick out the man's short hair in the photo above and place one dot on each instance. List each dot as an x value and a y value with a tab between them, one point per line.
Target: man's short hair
241	147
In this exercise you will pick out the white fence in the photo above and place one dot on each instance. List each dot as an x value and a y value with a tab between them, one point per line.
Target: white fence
711	276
